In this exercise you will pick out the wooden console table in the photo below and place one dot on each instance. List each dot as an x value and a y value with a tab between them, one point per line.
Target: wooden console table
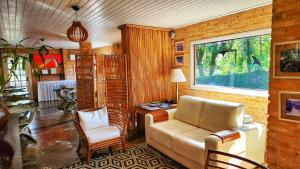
141	112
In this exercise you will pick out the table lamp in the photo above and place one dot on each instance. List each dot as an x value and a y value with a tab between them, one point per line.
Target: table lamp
177	75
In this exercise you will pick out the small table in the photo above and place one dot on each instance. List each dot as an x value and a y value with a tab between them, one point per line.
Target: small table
141	112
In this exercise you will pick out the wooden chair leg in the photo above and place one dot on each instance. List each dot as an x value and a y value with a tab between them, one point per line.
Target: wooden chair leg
88	156
79	146
123	145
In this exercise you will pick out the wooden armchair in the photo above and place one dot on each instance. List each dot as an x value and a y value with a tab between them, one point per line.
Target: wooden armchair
117	118
212	162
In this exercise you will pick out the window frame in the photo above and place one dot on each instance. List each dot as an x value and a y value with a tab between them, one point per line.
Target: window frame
224	89
18	73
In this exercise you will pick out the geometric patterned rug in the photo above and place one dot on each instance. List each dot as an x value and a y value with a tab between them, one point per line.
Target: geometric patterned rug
136	157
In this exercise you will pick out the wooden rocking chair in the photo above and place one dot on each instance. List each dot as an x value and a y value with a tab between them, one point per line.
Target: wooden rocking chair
117	118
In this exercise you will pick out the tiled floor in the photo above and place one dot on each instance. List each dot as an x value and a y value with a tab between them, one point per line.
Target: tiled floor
57	140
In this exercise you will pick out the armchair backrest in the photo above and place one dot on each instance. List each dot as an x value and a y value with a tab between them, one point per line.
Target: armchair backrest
75	119
117	117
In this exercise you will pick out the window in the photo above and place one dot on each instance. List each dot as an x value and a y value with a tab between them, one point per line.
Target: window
236	61
21	81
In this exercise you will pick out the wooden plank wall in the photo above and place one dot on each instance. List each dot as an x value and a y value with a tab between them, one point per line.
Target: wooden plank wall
148	52
283	140
114	49
254	19
69	65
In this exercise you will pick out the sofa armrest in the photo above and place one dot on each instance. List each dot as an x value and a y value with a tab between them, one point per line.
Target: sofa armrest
255	141
148	122
233	146
171	113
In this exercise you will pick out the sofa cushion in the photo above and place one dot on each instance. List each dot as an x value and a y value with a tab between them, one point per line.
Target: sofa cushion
162	132
191	144
189	109
103	133
220	115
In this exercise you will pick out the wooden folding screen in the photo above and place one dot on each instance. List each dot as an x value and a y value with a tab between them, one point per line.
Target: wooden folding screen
149	58
85	81
112	81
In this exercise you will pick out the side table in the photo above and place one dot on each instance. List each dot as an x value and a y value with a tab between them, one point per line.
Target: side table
141	112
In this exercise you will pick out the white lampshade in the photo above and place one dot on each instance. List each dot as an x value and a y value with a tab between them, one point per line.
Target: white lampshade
177	76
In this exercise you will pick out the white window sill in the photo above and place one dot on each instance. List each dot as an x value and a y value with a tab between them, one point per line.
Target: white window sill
221	89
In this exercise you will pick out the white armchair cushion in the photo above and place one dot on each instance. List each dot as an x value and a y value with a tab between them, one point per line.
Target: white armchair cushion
93	119
101	134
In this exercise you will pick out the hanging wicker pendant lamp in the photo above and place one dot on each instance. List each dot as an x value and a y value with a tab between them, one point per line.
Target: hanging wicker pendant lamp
77	33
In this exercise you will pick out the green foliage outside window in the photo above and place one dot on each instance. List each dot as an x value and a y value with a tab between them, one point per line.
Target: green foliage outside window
237	63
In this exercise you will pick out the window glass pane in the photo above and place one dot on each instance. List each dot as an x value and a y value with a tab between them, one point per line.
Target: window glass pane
24	83
18	84
11	83
23	77
237	63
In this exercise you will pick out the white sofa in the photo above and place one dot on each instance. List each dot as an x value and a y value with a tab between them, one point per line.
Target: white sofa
186	135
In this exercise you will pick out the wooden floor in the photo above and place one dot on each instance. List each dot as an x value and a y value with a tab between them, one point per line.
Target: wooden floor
57	140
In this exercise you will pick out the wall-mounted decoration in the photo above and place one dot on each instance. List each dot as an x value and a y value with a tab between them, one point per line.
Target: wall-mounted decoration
48	61
286	60
72	57
44	71
179	46
53	71
179	60
289	106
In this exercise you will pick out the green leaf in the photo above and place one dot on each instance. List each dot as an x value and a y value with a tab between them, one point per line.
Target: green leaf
23	63
30	58
14	73
15	52
3	40
35	73
24	39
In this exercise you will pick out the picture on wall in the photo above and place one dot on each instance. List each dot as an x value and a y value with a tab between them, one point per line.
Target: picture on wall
179	60
289	106
286	58
179	46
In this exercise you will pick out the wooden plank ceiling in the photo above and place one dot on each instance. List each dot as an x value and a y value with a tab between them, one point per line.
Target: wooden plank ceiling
50	19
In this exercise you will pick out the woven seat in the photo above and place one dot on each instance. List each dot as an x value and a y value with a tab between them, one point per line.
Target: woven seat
103	137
